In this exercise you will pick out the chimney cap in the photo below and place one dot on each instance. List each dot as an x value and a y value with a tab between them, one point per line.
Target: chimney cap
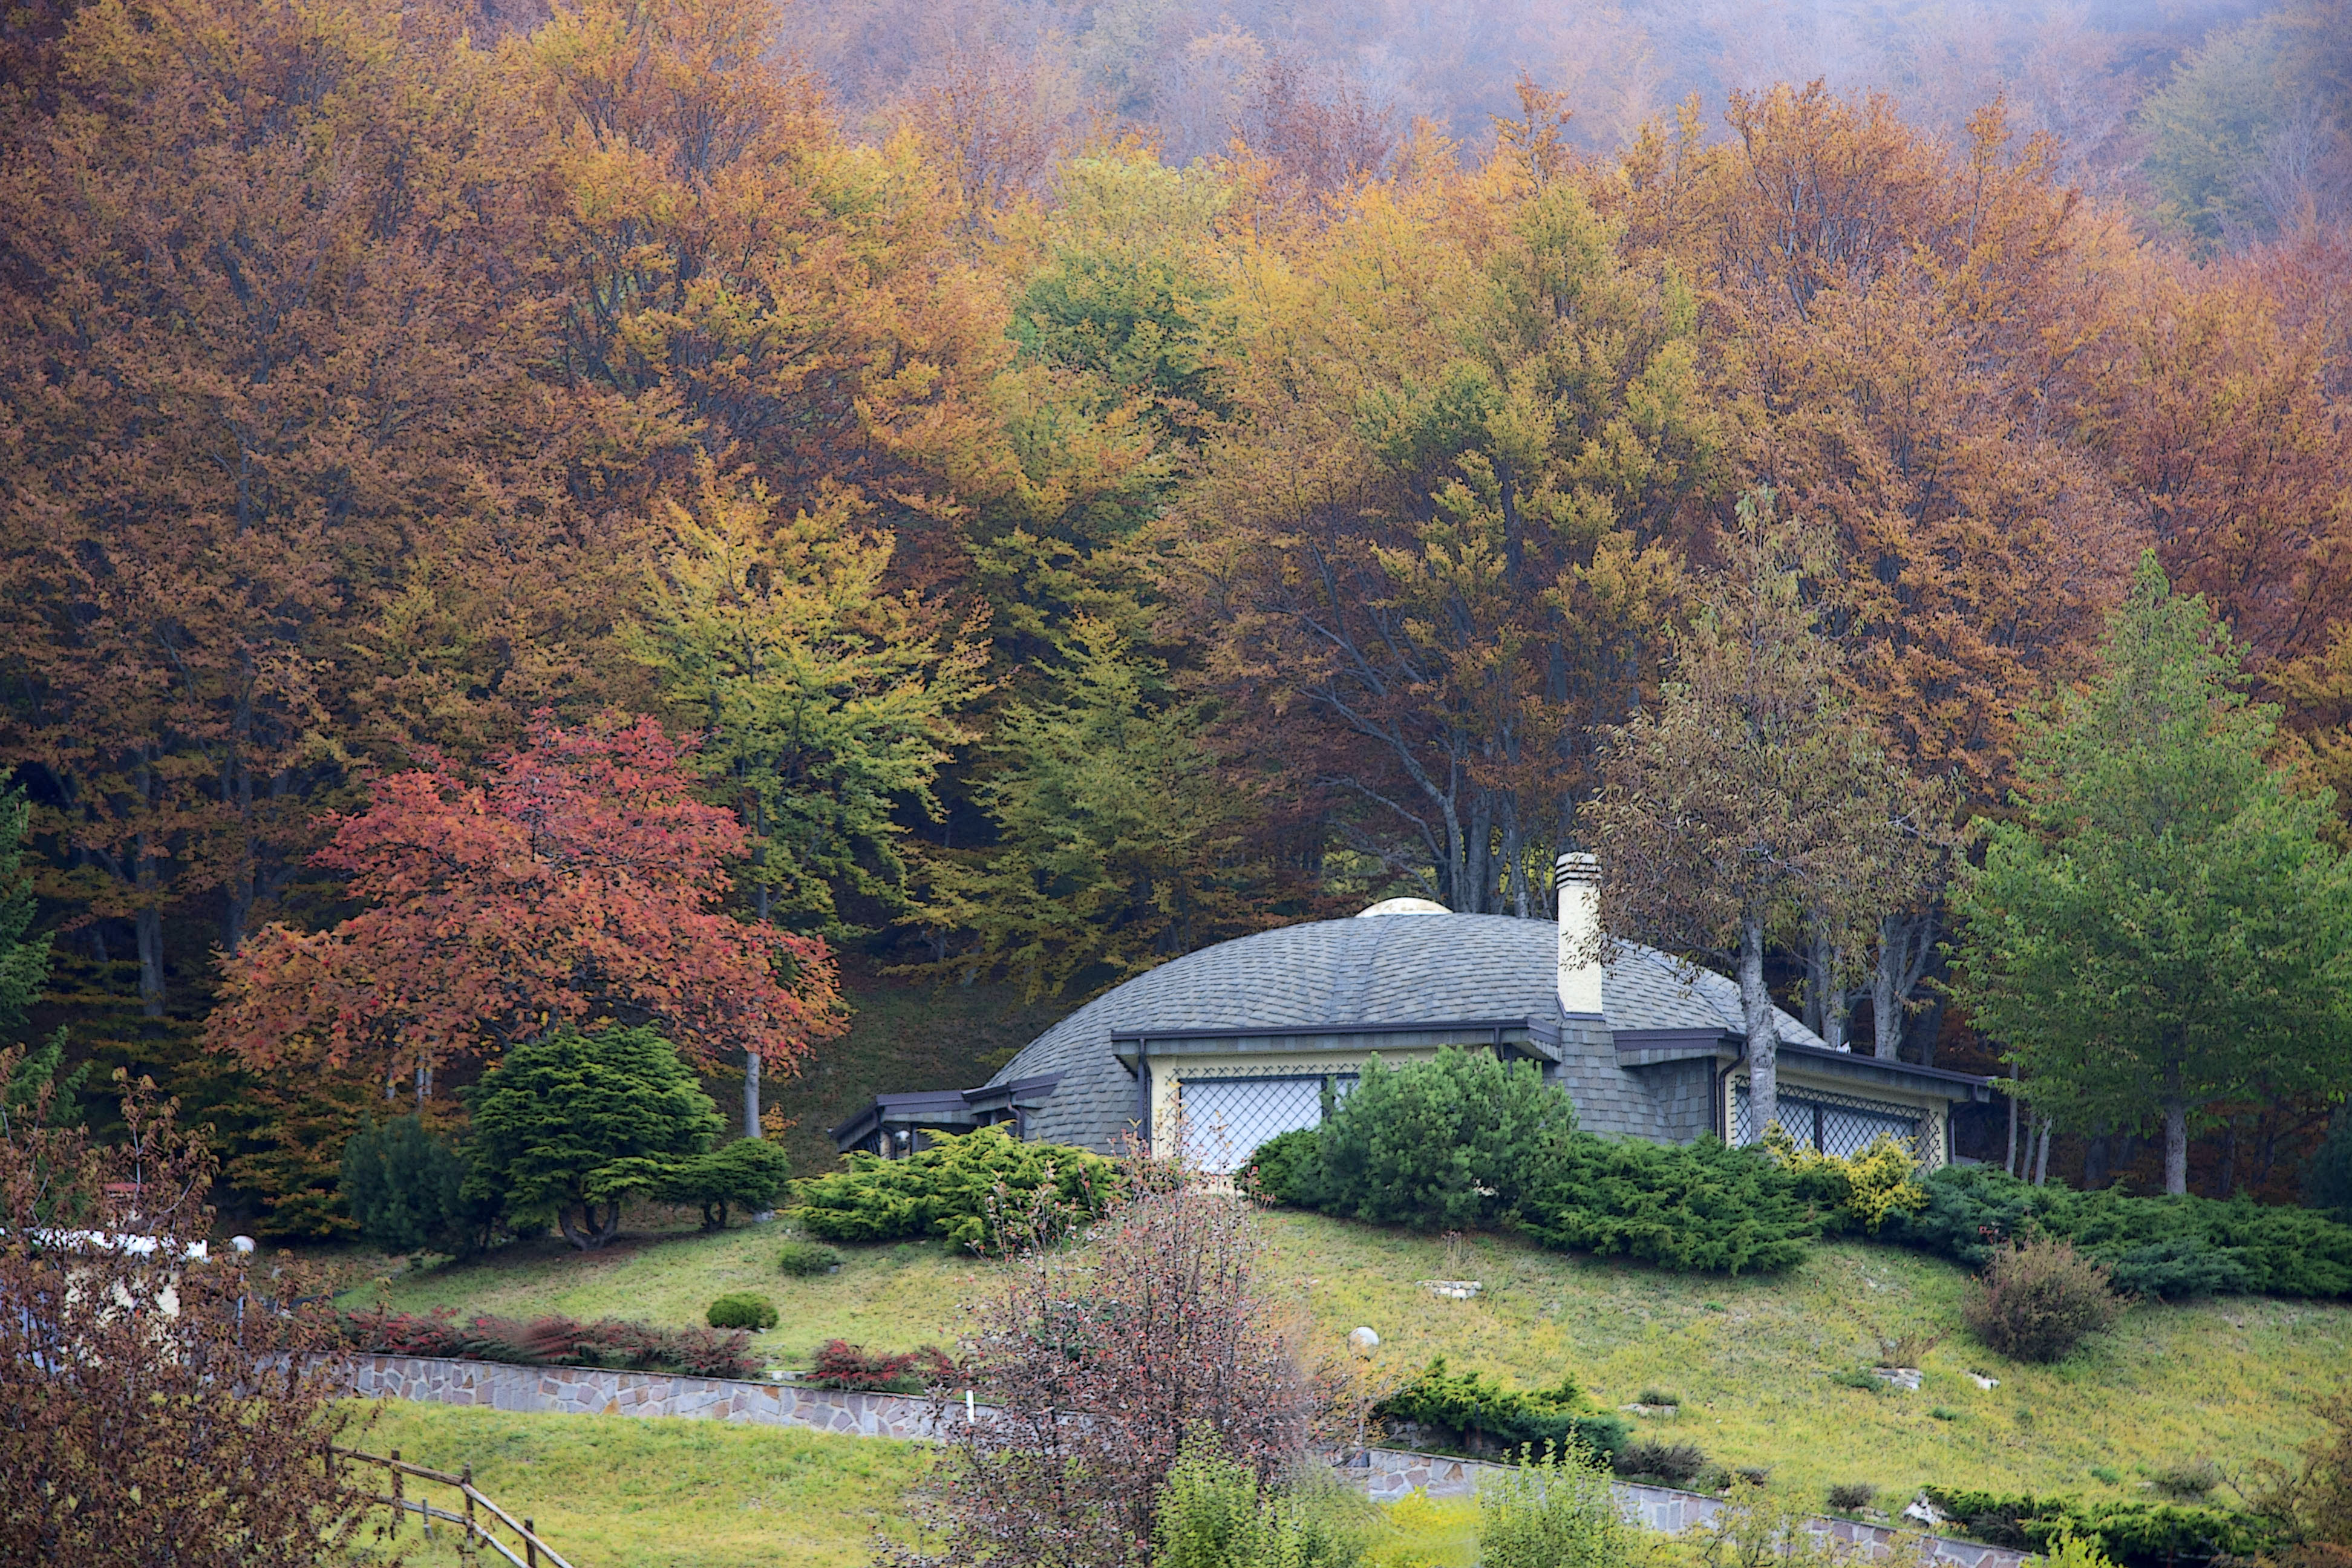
1577	867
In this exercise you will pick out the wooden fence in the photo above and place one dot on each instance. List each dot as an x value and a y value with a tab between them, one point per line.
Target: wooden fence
480	1521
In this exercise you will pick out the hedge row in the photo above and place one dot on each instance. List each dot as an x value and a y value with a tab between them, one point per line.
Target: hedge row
552	1340
2135	1534
1467	1140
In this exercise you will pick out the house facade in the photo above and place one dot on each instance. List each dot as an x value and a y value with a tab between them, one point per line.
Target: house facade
1230	1046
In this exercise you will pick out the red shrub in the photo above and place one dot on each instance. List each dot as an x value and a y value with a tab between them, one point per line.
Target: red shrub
840	1364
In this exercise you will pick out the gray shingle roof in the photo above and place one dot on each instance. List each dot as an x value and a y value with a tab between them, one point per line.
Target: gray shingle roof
1395	969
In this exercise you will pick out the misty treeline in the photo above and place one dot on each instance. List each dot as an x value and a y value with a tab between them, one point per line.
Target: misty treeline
1068	539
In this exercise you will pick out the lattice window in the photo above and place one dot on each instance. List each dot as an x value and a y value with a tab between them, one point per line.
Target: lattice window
1836	1125
1227	1115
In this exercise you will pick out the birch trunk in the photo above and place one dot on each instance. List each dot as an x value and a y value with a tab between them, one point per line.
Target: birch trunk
1756	1009
2175	1135
751	1094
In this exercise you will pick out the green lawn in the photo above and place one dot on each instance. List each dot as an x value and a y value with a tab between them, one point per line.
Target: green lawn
606	1491
1751	1357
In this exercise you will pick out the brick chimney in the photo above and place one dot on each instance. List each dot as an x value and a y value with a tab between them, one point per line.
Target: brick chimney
1576	880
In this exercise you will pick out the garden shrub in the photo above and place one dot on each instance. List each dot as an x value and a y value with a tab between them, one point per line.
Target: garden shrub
1698	1207
1556	1511
1215	1512
1857	1193
741	1310
1284	1168
1851	1497
404	1185
552	1341
2328	1175
2165	1247
1676	1464
802	1258
2038	1300
840	1364
1458	1142
949	1188
1465	1413
2137	1534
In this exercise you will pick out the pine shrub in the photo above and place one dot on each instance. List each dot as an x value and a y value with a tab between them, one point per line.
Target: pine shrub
1465	1413
1456	1143
2037	1300
403	1185
953	1188
1851	1497
1700	1207
1284	1169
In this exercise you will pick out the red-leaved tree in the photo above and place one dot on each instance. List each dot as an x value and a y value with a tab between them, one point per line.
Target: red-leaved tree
580	884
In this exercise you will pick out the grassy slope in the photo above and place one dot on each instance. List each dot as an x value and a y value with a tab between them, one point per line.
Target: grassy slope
611	1489
1750	1356
902	1038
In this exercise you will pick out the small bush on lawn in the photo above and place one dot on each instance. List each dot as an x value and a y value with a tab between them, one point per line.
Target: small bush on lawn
840	1364
2186	1483
1657	1398
1556	1511
2037	1300
2170	1248
1676	1464
741	1310
1284	1168
552	1341
1465	1413
802	1258
1851	1497
949	1189
1700	1207
1459	1142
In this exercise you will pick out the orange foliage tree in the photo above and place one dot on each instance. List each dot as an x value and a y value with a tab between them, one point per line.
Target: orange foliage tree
576	886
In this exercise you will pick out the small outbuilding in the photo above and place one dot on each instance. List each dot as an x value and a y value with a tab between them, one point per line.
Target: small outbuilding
1252	1037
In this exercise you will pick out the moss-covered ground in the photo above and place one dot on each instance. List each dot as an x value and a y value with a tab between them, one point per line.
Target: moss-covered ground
1752	1359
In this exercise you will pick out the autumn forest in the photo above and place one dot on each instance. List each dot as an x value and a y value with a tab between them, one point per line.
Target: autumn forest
663	490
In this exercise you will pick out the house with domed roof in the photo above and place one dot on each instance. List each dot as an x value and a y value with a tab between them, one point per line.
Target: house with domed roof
1233	1044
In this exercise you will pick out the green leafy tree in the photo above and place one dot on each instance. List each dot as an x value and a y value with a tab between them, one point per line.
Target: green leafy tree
747	1174
1755	801
2163	928
1118	846
1462	1140
558	1108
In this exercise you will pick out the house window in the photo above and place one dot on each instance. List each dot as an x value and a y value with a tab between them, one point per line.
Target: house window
1226	1118
1835	1123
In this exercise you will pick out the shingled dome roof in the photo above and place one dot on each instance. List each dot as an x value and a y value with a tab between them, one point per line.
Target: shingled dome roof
1342	974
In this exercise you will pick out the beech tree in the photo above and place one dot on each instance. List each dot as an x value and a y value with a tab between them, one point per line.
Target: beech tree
577	886
2163	927
1753	801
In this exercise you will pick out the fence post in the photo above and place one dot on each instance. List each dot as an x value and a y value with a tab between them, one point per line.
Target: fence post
530	1543
466	1486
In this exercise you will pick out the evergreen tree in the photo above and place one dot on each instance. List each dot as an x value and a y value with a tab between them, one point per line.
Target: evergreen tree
23	958
2163	928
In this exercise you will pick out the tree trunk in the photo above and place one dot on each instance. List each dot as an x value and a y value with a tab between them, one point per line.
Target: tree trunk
751	1094
1905	944
2228	1182
149	928
1763	1045
2042	1156
2175	1136
2012	1166
2095	1160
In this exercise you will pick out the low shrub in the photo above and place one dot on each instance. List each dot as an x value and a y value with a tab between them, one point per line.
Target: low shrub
840	1364
951	1188
1284	1168
1556	1511
1465	1413
1859	1377
1676	1464
1851	1497
2038	1300
1656	1397
1699	1208
2186	1483
802	1258
2328	1175
741	1310
1215	1512
2170	1248
1942	1413
1858	1193
2137	1534
1463	1140
552	1341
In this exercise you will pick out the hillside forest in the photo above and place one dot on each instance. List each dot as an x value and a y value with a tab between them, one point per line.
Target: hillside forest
696	511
